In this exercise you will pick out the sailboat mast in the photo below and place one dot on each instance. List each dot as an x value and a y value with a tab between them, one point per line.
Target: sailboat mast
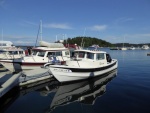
2	38
41	29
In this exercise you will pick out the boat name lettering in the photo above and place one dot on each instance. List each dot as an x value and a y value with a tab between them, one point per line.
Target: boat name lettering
62	70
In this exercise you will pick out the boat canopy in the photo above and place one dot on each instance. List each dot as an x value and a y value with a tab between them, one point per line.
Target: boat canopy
51	45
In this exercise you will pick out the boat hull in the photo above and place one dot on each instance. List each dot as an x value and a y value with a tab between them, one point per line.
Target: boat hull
66	73
19	66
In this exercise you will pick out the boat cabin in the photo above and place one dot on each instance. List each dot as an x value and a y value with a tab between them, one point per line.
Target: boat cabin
6	44
11	53
89	57
61	54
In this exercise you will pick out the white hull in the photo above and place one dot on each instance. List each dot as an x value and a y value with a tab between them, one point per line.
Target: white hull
16	67
65	74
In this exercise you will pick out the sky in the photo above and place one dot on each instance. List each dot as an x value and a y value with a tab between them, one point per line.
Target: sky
116	21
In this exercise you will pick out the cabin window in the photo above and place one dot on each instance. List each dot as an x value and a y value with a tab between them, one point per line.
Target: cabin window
20	52
2	44
81	54
90	55
34	52
13	52
100	56
67	53
41	54
58	54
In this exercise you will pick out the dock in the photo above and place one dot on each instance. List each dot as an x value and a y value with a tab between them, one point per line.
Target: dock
9	81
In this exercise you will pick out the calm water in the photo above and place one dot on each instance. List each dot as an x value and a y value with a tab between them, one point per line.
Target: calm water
126	92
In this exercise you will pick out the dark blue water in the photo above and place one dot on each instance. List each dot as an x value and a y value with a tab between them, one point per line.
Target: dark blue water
126	92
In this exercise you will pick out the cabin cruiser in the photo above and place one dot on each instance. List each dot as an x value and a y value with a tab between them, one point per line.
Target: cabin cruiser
11	53
85	64
46	52
8	51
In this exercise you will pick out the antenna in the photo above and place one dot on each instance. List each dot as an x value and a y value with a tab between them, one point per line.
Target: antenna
37	35
41	29
82	38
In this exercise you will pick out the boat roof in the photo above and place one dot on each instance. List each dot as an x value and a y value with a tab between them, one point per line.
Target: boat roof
90	51
12	49
49	49
8	42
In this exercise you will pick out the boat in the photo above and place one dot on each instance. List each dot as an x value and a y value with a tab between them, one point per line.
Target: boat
145	47
85	91
11	53
45	53
94	46
5	44
123	48
84	65
131	48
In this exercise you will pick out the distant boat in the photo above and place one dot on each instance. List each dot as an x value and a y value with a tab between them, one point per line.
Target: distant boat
131	48
94	46
123	48
145	47
114	48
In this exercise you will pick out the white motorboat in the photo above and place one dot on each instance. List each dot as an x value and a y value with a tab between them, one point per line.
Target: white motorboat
5	44
40	56
11	53
8	51
86	64
131	48
85	91
145	47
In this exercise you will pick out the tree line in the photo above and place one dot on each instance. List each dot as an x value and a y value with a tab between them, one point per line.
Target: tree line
87	41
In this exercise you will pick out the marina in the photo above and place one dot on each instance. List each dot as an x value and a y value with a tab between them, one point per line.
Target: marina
74	56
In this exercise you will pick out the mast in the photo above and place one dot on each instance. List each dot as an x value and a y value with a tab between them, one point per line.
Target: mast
2	38
82	38
41	29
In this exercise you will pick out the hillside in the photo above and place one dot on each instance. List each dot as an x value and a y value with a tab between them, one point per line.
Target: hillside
88	41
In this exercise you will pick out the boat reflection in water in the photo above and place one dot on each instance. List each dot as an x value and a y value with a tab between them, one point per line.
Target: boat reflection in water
85	91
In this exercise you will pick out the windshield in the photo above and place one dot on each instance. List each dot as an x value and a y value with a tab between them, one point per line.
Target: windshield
34	52
41	53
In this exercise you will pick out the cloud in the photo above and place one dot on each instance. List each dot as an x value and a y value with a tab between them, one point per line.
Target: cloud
98	27
28	23
123	19
57	26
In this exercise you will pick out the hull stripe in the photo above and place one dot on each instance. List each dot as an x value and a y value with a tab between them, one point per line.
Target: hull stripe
89	69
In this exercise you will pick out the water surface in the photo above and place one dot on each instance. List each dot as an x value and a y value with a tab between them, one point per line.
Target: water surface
126	92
